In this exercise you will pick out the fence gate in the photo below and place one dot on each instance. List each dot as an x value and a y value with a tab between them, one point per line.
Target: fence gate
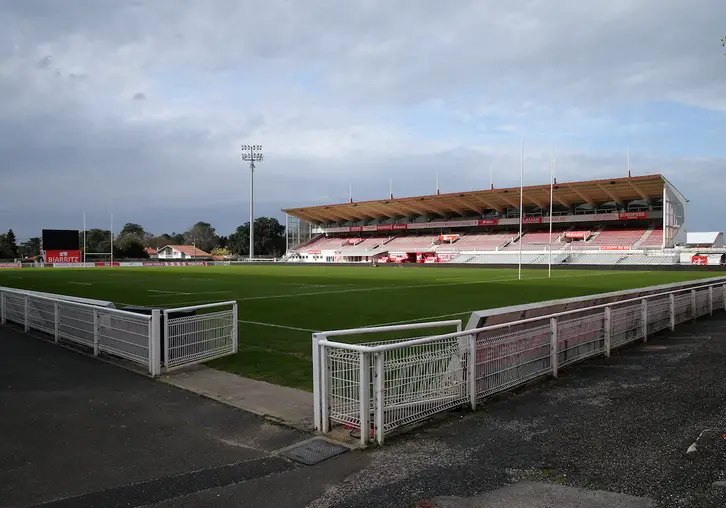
200	333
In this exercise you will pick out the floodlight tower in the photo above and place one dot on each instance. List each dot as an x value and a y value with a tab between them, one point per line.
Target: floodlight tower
252	154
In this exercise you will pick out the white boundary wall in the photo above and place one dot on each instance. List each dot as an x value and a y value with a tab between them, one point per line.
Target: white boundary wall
381	387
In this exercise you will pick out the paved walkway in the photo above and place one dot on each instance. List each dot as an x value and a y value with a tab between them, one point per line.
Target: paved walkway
280	403
77	432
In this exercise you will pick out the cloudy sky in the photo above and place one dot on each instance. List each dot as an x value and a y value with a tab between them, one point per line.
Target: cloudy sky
138	108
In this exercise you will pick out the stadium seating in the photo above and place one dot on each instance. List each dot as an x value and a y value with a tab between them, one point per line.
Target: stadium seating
654	240
411	243
322	243
483	241
368	243
537	241
612	238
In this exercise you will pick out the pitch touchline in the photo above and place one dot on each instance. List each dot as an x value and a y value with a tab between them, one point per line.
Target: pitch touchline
277	326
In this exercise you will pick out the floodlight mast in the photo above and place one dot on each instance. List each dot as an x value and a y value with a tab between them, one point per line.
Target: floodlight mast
252	154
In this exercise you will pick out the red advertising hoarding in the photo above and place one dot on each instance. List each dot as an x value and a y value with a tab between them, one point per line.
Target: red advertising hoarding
615	247
577	234
488	222
353	229
63	256
632	215
448	238
531	220
699	260
10	265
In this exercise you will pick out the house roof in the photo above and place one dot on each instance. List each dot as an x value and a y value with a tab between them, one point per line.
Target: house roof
649	187
149	250
189	250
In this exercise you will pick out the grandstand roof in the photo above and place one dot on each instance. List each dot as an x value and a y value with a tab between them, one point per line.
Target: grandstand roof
619	190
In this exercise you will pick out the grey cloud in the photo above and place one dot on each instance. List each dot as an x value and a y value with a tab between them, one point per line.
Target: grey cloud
139	96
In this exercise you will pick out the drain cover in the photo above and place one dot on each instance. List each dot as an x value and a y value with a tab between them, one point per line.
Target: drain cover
314	450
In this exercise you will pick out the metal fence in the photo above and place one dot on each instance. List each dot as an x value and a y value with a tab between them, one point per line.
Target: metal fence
380	387
104	330
186	335
201	333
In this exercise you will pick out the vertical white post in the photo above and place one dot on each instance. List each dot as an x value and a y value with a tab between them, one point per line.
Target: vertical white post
112	240
554	353
165	339
608	330
96	331
644	318
552	194
235	328
672	301
155	343
724	296
694	311
26	320
521	206
56	321
710	300
84	239
365	398
287	233
325	389
317	385
3	319
471	369
380	384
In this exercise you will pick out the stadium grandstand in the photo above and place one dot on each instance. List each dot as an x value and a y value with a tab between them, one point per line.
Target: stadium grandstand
640	220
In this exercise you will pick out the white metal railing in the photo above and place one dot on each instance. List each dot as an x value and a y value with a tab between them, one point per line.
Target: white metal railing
104	330
383	386
196	337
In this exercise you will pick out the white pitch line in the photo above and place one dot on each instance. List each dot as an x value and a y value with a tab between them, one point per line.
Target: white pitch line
199	279
389	288
277	326
165	293
422	319
81	283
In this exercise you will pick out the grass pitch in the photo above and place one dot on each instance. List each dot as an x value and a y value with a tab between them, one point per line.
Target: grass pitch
280	306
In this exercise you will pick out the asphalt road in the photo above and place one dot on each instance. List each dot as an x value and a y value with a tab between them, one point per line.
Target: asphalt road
79	432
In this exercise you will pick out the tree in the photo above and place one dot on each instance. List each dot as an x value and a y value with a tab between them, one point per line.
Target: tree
203	235
11	243
220	251
97	240
129	247
30	248
176	239
5	250
131	229
269	238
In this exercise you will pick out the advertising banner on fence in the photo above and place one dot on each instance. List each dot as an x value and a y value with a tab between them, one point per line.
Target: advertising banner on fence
10	265
615	247
172	263
632	215
101	264
699	260
448	238
62	256
577	234
531	220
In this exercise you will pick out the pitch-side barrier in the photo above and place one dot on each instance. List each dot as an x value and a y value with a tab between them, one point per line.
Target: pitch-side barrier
381	387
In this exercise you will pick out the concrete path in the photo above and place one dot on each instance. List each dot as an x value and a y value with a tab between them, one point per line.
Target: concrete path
280	403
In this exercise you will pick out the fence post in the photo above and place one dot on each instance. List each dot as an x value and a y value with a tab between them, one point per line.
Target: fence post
553	346
724	296
608	329
644	318
56	321
710	300
96	331
471	371
155	343
365	398
672	301
694	311
165	338
325	389
3	319
380	384
317	385
235	329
